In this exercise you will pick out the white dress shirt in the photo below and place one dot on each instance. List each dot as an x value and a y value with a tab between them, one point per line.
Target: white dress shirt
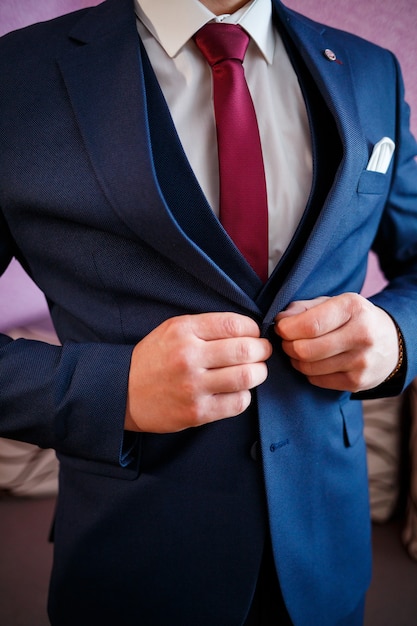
166	28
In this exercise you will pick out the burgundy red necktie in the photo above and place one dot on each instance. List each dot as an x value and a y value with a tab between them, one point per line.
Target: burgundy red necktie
243	197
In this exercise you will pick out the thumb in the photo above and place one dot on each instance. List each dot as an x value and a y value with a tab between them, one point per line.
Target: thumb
300	306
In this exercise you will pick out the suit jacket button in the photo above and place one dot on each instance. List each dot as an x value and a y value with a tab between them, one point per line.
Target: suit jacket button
329	54
254	451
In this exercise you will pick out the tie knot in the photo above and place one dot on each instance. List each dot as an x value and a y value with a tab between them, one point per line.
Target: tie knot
221	42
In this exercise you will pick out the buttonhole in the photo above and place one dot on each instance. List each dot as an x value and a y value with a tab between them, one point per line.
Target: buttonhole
280	444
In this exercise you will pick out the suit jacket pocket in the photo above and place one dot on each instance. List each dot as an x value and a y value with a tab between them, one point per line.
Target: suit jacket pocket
373	182
108	470
352	421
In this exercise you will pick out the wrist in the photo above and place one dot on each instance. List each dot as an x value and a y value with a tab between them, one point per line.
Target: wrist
397	369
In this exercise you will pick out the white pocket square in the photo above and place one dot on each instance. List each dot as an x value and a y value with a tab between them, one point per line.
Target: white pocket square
381	156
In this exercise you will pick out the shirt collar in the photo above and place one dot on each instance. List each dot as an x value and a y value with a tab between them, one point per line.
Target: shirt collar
190	15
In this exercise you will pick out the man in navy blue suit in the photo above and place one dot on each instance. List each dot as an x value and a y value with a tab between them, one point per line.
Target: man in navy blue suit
213	466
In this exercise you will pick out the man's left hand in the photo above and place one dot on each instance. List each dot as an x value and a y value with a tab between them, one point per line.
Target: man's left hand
344	343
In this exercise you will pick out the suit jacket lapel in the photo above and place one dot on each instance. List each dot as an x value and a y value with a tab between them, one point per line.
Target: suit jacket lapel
183	194
334	81
108	96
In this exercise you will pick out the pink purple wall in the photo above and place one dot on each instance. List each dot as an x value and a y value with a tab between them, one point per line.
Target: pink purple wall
390	23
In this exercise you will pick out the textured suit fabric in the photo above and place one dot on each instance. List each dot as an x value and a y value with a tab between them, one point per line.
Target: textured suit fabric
99	204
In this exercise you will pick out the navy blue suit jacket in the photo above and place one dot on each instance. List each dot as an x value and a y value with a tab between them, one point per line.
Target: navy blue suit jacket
99	204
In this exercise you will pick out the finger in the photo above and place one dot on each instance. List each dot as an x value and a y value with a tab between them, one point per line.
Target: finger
299	306
348	362
320	319
234	379
330	345
235	351
337	382
212	326
226	405
227	392
354	382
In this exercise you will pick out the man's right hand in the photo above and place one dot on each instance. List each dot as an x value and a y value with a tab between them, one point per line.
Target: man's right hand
194	369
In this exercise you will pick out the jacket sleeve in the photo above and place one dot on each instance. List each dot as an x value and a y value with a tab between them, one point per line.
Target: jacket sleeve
396	243
71	398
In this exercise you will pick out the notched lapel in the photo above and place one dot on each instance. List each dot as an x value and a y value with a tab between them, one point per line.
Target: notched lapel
316	44
107	94
107	99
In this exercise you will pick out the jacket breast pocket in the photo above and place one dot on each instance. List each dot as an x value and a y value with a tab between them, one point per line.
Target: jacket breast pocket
373	183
